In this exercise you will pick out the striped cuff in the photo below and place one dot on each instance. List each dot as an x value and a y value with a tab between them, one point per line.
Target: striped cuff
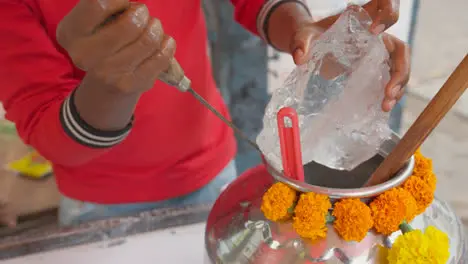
83	133
265	13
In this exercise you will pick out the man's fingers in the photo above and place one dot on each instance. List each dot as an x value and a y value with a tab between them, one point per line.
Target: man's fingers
388	104
400	71
158	62
86	16
387	15
300	50
400	94
107	40
400	65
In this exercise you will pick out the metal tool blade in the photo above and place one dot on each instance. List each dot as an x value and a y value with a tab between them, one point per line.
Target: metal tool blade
227	122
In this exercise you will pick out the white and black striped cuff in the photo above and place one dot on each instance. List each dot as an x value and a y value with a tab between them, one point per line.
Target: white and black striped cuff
265	13
83	133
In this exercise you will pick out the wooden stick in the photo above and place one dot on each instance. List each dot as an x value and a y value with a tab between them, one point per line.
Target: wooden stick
437	108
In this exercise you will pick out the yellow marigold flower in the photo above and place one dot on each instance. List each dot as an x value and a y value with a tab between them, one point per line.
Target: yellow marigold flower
391	208
382	254
278	201
353	219
416	247
310	215
421	192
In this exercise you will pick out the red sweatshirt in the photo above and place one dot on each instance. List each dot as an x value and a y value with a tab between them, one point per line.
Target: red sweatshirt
174	146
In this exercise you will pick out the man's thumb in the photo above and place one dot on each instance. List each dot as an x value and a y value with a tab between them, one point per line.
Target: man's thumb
302	44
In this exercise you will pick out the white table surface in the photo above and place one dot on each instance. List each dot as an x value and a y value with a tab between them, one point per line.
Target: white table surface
172	246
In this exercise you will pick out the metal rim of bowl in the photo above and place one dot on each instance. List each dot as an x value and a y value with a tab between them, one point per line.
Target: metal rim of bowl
363	192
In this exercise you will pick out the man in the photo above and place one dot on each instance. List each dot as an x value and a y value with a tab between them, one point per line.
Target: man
79	80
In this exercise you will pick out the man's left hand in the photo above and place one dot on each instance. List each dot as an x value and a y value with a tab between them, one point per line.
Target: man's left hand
308	32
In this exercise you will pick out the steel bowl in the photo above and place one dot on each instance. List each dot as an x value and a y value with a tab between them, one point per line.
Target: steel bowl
237	232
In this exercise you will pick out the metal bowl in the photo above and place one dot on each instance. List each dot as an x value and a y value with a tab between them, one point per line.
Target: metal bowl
320	179
237	232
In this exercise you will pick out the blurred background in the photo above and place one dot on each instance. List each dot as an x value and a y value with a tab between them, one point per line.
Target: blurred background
440	43
247	71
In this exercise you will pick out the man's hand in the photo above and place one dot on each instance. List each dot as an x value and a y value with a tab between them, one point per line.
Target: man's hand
400	64
123	51
7	215
303	31
384	14
123	54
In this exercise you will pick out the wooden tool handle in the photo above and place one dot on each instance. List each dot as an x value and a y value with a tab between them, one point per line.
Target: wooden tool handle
174	74
437	108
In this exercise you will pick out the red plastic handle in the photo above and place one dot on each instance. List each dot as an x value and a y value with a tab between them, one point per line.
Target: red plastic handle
290	143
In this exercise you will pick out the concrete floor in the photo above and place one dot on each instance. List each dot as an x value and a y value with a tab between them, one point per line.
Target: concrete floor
441	42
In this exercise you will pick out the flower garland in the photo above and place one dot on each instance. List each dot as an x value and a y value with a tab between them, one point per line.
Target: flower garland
352	219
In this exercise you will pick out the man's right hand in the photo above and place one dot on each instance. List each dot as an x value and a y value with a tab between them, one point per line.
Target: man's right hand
120	46
122	49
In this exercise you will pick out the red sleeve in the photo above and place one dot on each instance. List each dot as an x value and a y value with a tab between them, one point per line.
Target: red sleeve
246	13
36	81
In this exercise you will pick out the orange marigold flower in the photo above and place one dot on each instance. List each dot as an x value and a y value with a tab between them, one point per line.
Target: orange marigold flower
429	178
421	192
391	208
423	170
411	205
418	151
278	201
310	215
353	219
422	164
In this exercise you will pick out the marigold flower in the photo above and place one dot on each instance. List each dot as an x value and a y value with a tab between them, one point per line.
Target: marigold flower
430	247
422	164
310	215
391	208
278	201
421	192
423	170
353	219
429	178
